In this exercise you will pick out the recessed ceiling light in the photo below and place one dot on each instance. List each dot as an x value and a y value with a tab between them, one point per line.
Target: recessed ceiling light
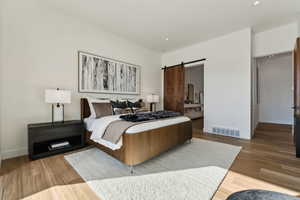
167	39
256	3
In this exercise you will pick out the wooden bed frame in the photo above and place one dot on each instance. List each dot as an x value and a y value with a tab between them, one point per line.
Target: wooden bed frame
143	146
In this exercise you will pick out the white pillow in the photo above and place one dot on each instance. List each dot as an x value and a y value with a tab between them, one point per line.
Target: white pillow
93	100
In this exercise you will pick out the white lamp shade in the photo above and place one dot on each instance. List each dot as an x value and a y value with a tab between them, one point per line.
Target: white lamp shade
58	96
152	98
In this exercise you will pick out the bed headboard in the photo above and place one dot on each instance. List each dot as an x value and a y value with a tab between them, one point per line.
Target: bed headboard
84	108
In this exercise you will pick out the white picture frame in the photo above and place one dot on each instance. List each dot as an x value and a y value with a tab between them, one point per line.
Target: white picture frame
97	74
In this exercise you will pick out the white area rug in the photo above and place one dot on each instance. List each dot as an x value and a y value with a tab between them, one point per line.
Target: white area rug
191	171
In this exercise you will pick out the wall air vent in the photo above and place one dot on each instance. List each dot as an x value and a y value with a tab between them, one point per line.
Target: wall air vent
226	132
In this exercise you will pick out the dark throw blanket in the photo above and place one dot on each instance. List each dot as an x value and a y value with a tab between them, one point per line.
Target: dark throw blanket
140	117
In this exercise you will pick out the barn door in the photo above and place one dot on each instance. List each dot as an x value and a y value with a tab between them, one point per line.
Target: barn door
174	88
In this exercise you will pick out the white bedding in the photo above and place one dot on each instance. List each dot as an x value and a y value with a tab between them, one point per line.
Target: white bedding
98	127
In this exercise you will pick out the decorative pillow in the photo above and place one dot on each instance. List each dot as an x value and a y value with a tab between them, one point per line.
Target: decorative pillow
119	111
118	107
139	110
137	104
94	100
102	109
119	104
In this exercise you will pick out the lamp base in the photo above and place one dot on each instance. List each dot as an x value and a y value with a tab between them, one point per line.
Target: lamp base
58	113
152	107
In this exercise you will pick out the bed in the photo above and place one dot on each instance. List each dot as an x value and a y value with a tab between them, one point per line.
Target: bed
141	143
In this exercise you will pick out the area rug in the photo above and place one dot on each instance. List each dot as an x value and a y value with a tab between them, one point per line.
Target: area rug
190	171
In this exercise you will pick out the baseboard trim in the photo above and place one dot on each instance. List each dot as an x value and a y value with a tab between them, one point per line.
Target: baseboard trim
14	153
276	123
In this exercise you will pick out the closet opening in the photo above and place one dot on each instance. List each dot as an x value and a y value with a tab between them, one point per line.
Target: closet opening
194	95
273	109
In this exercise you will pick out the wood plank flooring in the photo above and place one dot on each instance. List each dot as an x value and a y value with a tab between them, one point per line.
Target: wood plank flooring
266	162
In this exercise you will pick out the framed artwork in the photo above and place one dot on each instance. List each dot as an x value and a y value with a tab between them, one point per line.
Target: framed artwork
98	74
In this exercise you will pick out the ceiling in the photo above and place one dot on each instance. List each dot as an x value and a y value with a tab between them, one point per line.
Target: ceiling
184	22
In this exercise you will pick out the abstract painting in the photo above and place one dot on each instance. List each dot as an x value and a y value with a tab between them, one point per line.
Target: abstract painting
98	74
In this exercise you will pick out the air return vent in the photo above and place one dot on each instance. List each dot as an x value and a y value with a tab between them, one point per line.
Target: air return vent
226	132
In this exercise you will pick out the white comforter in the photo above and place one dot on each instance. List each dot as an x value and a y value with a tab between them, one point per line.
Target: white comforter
98	127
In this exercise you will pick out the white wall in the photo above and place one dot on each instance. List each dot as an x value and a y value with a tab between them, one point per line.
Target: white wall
254	103
40	51
299	27
275	89
227	80
254	82
277	40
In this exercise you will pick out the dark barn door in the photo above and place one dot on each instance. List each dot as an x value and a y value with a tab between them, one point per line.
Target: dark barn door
174	88
297	97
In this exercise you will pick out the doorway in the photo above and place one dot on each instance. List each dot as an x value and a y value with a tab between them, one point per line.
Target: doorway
275	94
184	91
194	95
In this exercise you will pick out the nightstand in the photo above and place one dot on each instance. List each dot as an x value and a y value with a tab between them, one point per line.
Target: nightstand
42	135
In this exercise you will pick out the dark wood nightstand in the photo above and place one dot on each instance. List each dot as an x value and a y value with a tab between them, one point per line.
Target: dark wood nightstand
40	136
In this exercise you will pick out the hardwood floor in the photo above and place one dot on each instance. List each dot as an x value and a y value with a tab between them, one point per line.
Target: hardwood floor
266	162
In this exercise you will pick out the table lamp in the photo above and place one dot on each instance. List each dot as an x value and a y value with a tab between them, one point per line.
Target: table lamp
153	99
58	97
